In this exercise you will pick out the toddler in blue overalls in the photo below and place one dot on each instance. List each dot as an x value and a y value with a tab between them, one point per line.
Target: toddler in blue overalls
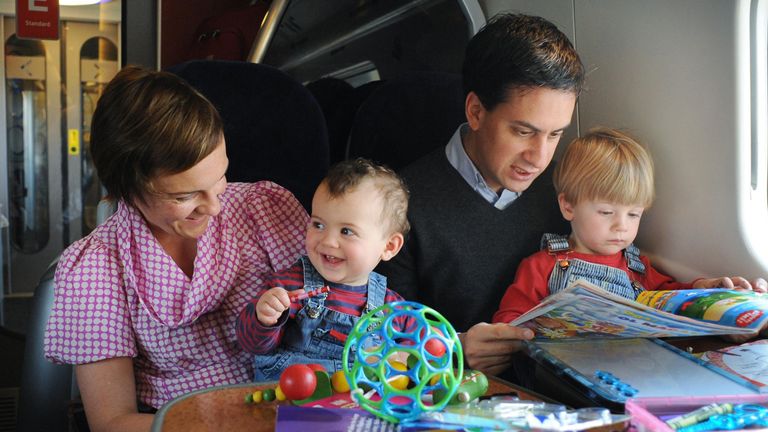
604	182
358	219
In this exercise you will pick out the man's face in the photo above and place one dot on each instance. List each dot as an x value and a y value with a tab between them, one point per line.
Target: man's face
514	143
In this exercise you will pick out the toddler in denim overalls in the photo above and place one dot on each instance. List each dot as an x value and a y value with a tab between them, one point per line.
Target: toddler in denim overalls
604	182
358	219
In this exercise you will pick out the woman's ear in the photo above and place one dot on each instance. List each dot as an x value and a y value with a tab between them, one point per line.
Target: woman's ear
566	208
393	246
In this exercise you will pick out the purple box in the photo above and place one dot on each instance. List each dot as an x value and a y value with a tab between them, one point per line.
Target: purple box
650	414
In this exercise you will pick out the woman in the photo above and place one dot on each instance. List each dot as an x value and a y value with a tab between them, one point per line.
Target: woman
145	306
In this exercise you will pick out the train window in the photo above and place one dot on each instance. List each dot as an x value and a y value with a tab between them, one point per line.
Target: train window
50	91
98	64
752	95
357	74
758	68
27	138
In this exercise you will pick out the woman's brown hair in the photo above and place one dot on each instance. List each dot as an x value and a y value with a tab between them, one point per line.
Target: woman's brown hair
147	124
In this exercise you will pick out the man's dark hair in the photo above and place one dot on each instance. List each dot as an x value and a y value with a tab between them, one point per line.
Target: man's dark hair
515	51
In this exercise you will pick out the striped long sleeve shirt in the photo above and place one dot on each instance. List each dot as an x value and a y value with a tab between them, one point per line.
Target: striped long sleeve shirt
257	338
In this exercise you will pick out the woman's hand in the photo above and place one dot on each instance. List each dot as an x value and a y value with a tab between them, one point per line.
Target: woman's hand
272	304
108	389
489	347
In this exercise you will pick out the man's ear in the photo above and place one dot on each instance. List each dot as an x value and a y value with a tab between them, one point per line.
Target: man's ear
474	110
566	208
393	246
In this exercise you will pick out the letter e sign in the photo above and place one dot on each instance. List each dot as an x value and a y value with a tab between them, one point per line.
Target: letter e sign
37	19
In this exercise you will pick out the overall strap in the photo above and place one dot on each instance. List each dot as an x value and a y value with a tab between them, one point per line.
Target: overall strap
558	246
632	255
554	243
377	291
313	281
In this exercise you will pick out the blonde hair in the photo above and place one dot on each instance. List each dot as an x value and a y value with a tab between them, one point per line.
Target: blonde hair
348	174
605	165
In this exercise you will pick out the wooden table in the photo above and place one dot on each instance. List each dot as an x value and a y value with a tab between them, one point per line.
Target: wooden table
224	409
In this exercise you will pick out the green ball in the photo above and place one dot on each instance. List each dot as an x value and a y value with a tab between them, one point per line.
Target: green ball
269	395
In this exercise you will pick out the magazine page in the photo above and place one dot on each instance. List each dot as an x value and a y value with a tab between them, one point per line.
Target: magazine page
584	309
723	306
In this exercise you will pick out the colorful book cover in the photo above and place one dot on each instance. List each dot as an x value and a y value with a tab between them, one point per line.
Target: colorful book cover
584	309
744	309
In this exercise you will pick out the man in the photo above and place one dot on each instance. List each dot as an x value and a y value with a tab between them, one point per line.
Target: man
480	205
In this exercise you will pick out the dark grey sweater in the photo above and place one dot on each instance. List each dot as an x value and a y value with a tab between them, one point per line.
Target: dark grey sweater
462	252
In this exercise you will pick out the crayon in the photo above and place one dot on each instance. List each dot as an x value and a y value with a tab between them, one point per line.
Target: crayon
699	415
304	295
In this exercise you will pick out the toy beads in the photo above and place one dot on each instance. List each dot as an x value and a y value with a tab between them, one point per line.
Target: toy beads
339	382
434	361
300	384
298	381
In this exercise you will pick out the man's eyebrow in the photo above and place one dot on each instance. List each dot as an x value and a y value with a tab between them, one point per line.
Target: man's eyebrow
525	124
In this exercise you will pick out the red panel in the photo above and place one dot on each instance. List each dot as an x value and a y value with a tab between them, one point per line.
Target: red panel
37	19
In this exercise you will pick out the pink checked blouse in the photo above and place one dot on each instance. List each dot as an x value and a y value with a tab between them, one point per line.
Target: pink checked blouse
118	294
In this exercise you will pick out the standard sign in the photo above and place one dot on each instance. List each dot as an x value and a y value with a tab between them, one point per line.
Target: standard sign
37	19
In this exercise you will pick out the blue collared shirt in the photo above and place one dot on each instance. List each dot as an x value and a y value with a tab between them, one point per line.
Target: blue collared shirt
458	158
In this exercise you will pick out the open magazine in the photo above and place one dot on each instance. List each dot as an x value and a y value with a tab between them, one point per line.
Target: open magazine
584	309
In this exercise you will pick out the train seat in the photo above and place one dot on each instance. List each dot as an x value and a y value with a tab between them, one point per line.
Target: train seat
340	103
408	116
273	126
331	93
47	389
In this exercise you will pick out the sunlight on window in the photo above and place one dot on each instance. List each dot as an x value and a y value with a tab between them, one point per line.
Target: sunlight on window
752	89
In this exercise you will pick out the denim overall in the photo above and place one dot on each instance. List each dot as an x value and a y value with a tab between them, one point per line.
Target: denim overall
308	338
614	280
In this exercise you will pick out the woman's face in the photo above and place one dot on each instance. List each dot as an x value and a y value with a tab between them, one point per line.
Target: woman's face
182	204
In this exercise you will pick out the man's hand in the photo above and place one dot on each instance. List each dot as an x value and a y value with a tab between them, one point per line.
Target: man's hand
489	347
271	305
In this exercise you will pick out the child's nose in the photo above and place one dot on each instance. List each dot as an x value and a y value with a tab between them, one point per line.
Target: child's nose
620	224
330	239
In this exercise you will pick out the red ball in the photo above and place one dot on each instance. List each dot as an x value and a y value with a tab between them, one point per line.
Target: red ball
317	367
298	382
435	347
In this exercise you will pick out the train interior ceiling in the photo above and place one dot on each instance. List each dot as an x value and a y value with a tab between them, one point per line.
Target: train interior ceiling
686	77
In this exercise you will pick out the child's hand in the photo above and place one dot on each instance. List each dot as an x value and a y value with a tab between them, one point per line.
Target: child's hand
735	282
759	285
271	305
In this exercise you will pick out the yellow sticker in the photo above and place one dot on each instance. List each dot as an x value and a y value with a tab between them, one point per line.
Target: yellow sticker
73	143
